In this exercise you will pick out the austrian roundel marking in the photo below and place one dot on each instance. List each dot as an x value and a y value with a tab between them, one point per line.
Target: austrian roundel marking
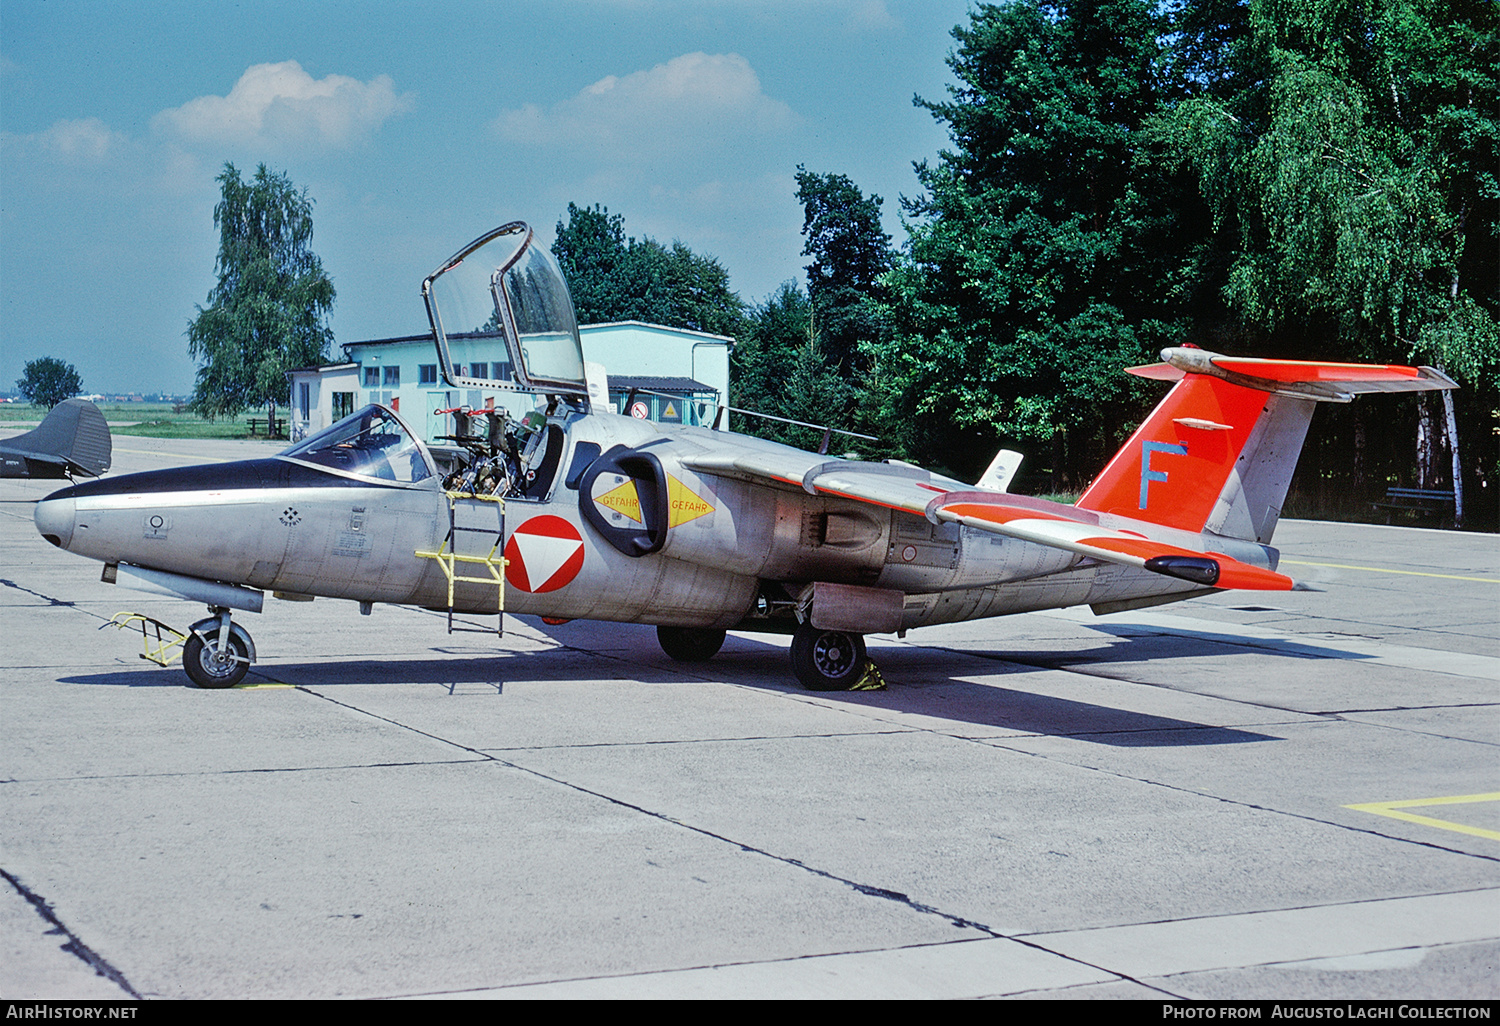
545	553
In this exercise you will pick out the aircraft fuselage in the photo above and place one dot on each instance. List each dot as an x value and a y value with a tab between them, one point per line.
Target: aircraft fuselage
283	526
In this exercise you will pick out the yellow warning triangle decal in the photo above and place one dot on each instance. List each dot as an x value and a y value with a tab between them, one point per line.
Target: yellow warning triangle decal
685	503
622	500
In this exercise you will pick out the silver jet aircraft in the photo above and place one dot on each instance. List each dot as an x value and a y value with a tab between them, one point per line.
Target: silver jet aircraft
548	503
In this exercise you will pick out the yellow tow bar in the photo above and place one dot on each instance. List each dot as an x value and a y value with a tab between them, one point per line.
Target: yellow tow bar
158	639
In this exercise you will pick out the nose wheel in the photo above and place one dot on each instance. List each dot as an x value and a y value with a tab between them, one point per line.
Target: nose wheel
217	653
826	660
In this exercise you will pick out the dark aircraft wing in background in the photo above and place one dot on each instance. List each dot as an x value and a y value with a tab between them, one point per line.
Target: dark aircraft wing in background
72	440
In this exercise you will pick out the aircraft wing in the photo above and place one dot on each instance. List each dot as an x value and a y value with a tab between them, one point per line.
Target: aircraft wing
893	485
939	499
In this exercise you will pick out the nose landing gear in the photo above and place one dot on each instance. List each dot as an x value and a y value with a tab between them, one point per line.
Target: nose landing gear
218	652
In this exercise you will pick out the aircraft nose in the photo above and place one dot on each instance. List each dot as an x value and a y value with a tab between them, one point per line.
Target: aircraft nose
54	517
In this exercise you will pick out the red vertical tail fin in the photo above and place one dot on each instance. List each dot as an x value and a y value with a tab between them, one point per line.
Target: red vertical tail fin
1217	454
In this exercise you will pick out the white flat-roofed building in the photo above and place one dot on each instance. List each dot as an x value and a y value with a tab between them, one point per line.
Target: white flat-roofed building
669	374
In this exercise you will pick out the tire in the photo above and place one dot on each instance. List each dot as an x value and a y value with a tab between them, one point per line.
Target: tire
827	660
207	670
690	644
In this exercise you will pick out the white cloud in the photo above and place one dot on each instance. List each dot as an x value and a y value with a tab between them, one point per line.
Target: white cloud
87	140
691	103
282	106
871	16
858	15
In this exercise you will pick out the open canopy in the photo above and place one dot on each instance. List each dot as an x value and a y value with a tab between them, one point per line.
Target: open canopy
502	286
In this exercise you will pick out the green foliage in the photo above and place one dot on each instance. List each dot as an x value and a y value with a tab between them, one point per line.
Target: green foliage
1349	155
1037	253
1352	176
48	381
779	367
612	278
268	312
590	249
813	356
851	253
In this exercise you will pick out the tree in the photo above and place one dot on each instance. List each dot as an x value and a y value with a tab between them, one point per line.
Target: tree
268	312
779	368
48	381
590	249
1349	155
1035	270
808	356
612	278
851	253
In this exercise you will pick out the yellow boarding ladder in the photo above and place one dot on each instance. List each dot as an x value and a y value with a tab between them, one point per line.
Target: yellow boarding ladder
448	556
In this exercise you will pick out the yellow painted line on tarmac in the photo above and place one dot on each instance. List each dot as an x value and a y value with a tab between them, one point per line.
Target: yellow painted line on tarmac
1393	810
268	684
1383	570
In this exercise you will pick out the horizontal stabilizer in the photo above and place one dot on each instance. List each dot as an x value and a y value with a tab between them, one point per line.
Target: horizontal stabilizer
1311	379
1217	454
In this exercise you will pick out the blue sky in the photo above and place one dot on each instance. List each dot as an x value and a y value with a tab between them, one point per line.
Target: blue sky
415	127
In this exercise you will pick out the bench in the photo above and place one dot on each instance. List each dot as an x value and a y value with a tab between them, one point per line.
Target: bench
275	430
1422	501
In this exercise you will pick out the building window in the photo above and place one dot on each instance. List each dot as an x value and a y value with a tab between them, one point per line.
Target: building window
427	374
372	377
479	370
343	404
501	371
392	377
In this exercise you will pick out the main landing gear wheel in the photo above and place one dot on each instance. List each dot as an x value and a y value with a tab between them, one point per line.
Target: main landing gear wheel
211	668
827	660
690	644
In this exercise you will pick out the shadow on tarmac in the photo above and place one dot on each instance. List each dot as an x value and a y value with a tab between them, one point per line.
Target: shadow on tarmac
933	686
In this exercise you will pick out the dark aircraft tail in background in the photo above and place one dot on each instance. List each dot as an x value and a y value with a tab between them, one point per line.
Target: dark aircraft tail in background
72	440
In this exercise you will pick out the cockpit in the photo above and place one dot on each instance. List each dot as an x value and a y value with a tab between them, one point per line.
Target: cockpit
372	443
494	453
